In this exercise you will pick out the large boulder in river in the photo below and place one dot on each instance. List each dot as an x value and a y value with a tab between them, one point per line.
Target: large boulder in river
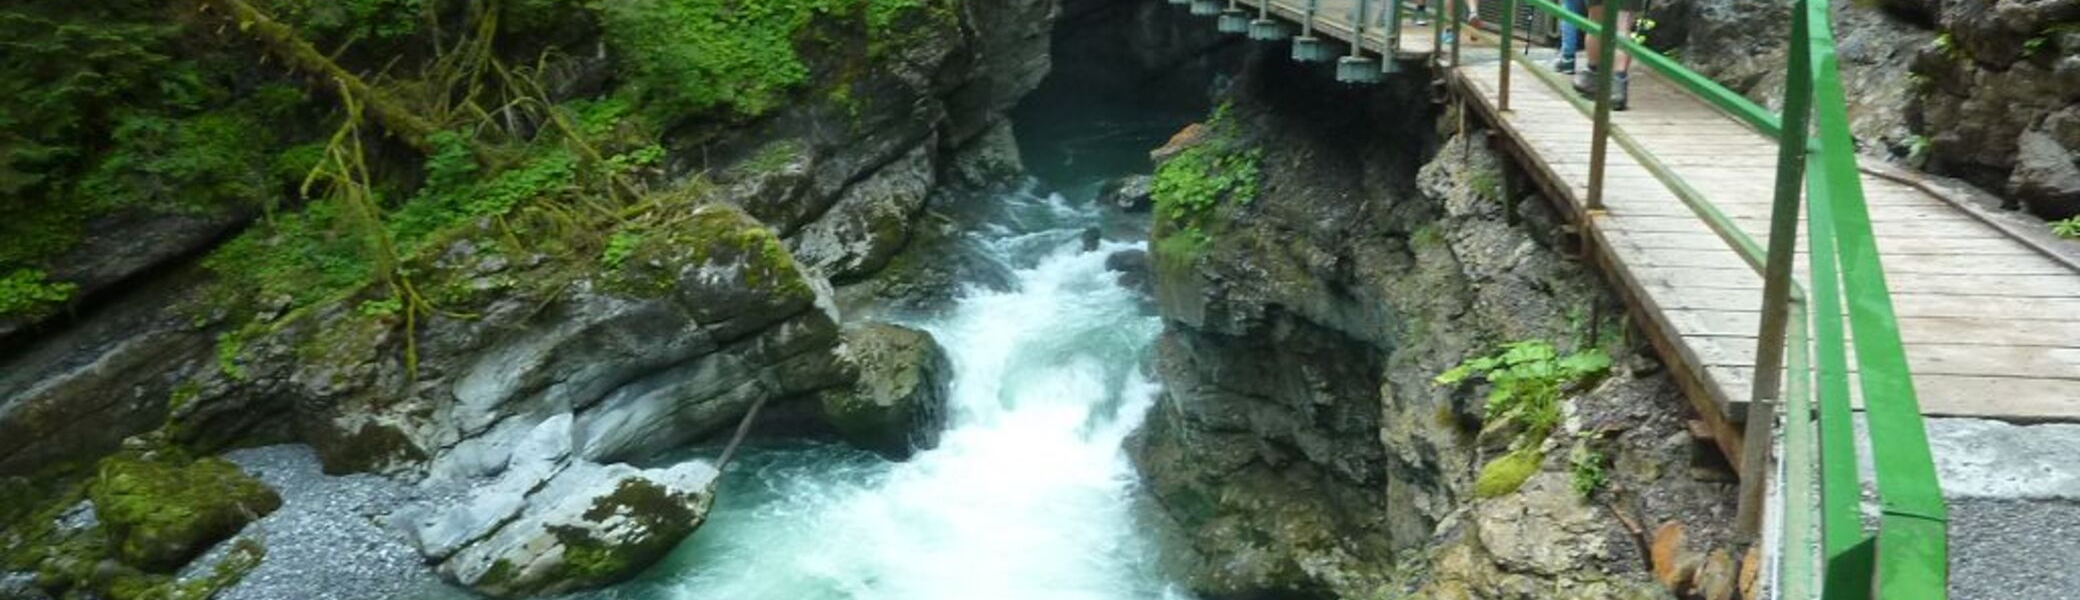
552	523
899	403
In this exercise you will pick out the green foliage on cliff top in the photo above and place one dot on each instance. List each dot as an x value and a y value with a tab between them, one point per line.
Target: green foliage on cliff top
1190	185
687	57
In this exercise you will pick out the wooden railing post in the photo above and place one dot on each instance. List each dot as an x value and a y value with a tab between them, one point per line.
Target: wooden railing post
1776	286
1606	74
1437	34
1458	29
1509	20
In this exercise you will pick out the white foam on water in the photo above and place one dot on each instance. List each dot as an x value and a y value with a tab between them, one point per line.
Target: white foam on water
1028	494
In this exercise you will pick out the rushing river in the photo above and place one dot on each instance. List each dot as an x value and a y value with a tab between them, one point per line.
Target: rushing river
1028	494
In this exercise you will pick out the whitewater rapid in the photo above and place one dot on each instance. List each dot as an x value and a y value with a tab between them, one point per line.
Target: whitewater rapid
1028	494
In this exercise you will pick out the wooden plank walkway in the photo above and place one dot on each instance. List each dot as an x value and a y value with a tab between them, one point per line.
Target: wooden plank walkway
1989	320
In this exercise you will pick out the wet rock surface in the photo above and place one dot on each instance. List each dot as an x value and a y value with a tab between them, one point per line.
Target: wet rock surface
552	522
898	403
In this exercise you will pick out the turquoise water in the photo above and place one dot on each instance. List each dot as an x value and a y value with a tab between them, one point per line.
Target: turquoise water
1027	496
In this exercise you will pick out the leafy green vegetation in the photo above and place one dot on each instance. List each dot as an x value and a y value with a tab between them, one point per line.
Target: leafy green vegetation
1526	380
2068	228
1589	467
620	246
344	20
687	57
29	292
2034	45
100	114
1948	47
1189	186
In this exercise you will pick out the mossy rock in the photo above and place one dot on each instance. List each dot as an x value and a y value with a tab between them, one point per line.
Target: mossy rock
161	509
1502	476
898	403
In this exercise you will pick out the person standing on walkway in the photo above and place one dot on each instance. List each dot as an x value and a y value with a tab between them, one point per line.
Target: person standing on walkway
1585	78
1570	38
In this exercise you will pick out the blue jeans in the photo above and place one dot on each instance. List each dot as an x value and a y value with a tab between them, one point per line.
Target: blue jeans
1571	36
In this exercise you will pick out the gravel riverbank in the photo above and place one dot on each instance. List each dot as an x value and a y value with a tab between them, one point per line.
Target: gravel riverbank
328	540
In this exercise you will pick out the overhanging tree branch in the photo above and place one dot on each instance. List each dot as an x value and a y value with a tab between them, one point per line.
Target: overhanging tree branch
282	41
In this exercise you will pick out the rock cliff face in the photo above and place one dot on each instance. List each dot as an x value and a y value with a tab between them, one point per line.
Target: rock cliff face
1302	446
670	342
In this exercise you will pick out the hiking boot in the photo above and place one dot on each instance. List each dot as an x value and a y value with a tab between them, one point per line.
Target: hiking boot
1564	65
1421	20
1619	93
1585	81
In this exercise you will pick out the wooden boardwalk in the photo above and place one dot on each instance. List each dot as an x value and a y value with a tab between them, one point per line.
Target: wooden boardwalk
1990	315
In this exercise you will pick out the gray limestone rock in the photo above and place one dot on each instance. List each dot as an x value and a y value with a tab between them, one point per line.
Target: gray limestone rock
870	222
898	405
2046	179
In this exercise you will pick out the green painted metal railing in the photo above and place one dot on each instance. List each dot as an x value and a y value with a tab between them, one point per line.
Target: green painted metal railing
1804	349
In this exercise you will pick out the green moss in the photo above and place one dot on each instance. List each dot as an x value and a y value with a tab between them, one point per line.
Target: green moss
498	576
665	517
711	235
161	509
1181	248
1502	476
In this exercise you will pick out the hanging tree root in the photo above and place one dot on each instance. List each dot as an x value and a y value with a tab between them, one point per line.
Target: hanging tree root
282	41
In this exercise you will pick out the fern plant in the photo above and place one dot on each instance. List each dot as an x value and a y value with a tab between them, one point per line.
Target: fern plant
1526	380
2068	228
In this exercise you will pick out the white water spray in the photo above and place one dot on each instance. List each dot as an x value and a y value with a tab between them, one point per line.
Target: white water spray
1027	496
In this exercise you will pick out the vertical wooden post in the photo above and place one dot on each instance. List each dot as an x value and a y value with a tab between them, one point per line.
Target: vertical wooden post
1509	20
1458	29
1437	33
1606	62
1776	287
